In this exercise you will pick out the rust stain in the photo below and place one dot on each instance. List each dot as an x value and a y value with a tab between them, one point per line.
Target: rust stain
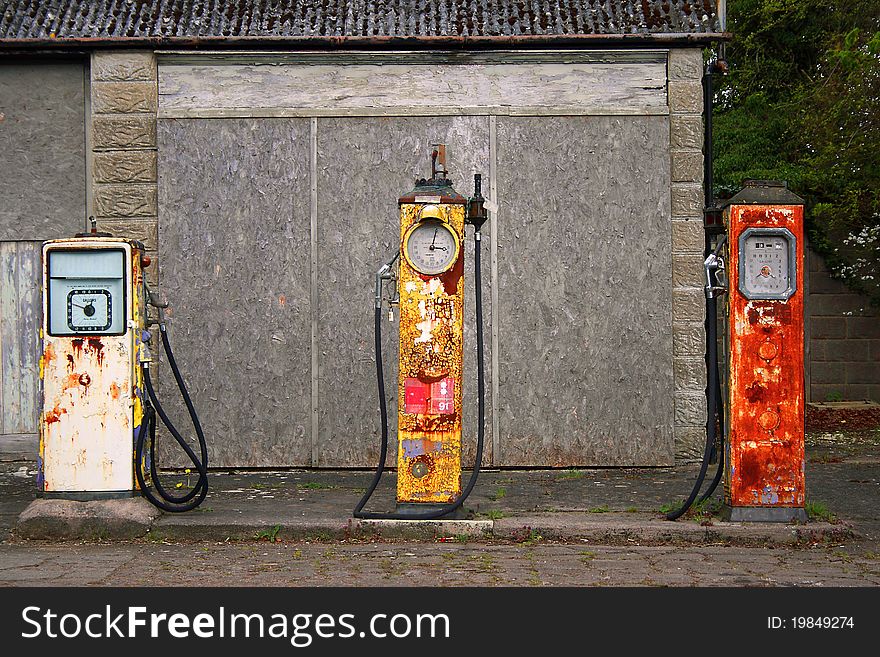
755	392
114	390
55	414
766	388
282	300
77	344
97	348
71	381
71	364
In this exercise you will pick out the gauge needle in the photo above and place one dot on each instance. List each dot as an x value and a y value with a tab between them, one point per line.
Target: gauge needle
433	240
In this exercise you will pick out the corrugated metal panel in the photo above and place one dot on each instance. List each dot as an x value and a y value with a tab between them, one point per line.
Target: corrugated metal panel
19	336
170	19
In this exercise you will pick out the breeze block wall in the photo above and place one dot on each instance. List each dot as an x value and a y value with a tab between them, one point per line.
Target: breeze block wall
844	339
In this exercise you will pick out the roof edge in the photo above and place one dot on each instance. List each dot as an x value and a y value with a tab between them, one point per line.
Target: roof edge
372	43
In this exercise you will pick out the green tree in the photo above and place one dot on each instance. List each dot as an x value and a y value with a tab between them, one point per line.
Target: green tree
802	104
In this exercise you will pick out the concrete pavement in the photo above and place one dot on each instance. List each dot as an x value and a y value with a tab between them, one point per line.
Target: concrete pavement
555	527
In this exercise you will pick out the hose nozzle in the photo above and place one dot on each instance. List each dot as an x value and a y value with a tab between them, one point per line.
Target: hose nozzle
385	273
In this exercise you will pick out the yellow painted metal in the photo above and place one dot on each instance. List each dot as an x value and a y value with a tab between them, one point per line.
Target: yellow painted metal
92	388
431	340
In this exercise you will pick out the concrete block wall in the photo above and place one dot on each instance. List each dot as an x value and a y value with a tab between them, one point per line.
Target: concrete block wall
843	359
685	70
124	104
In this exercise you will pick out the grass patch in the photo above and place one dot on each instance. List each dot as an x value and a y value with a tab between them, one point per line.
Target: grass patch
818	511
631	509
493	514
499	494
570	474
587	556
599	509
316	485
270	535
532	538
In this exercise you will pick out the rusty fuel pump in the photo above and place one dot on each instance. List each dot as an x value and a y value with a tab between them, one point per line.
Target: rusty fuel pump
764	449
763	441
98	404
429	273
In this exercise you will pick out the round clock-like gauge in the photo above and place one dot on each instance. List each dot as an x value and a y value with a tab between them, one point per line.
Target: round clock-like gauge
431	247
89	310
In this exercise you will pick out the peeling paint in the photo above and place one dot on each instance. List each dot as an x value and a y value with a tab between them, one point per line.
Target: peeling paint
431	341
89	393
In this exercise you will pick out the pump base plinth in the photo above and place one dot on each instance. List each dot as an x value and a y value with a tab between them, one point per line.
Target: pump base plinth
127	518
788	514
87	495
416	509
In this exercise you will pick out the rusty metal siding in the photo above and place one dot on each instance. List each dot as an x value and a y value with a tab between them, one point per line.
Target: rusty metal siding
364	165
584	270
19	339
234	261
42	168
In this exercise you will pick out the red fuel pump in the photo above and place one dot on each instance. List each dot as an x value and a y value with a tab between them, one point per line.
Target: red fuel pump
765	338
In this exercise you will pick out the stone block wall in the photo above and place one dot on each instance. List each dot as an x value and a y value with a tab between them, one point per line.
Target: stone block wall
685	70
124	103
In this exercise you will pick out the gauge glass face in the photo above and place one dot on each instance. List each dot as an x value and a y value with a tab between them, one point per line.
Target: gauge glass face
766	267
86	291
89	310
431	247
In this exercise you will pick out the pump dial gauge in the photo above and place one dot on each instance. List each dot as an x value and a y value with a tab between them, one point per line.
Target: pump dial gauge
89	310
767	263
431	247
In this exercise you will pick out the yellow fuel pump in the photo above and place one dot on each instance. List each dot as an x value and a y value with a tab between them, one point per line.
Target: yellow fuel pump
98	402
428	270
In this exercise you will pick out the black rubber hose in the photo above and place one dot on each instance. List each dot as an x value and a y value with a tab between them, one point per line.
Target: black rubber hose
712	341
716	479
165	500
721	433
446	509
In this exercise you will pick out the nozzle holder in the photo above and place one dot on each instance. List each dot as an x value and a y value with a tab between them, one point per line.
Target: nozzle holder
477	214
